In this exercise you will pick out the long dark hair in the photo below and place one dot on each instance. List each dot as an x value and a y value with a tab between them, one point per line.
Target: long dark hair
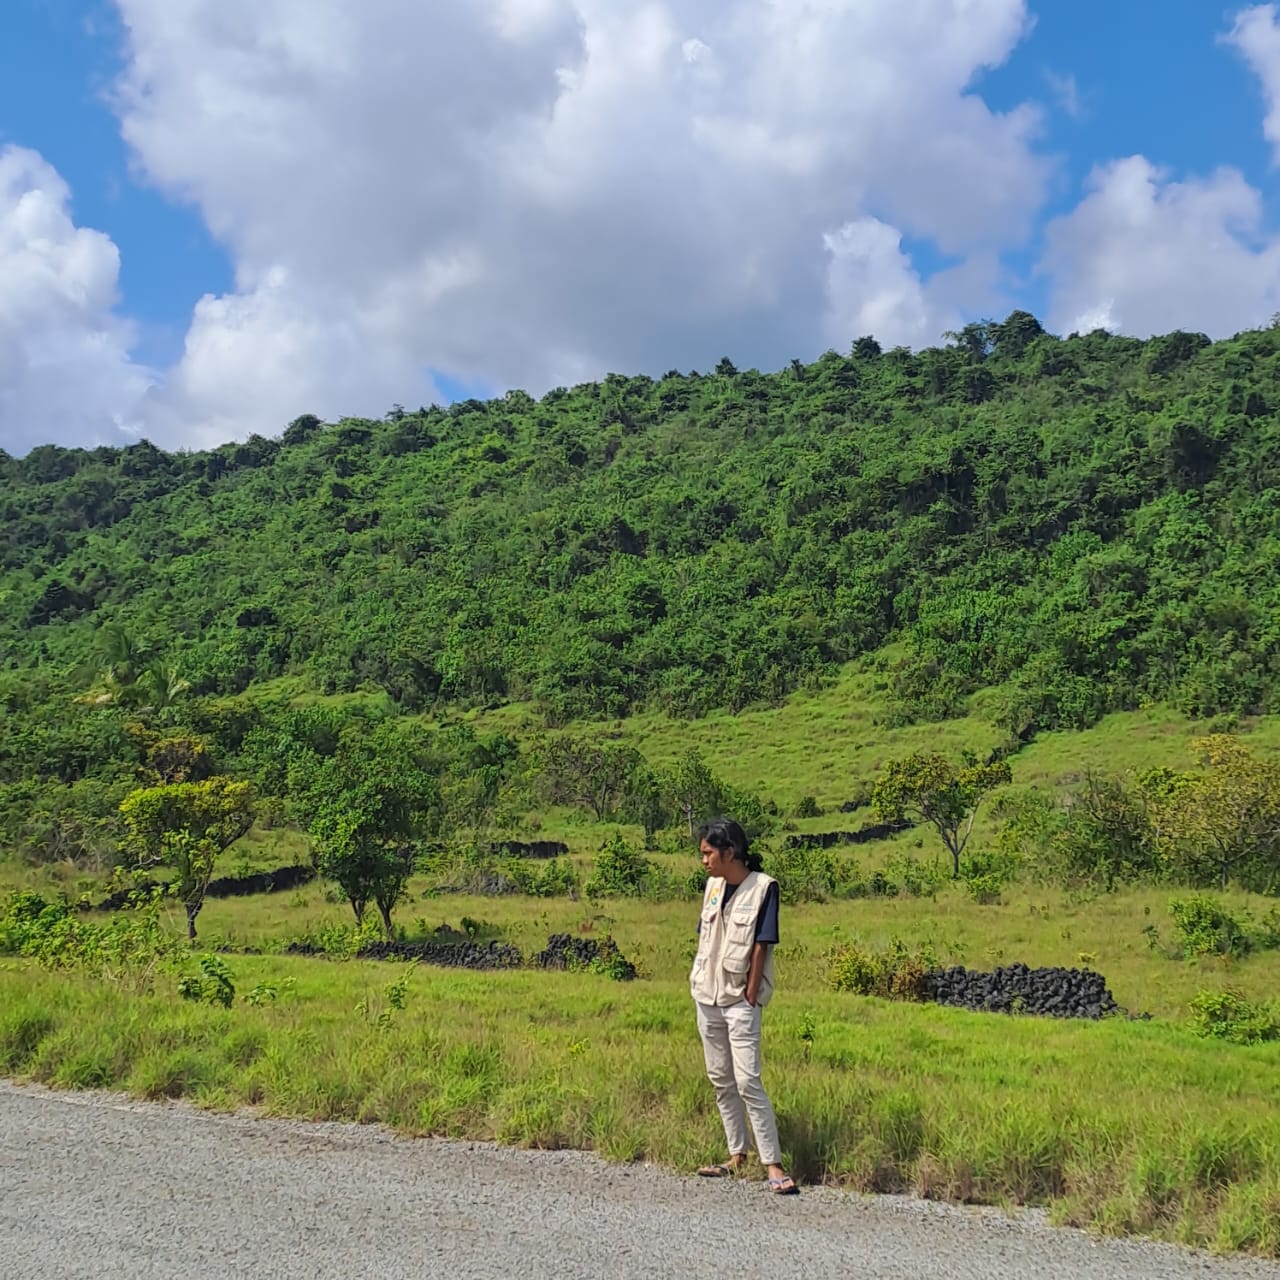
728	837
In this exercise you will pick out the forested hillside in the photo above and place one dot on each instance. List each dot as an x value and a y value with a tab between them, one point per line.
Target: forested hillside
1090	522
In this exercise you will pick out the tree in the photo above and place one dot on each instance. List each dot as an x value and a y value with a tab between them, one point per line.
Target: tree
646	802
587	772
119	663
694	788
1223	821
186	825
478	772
130	674
931	788
1014	334
367	809
178	758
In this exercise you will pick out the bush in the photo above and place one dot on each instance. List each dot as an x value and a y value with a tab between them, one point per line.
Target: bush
985	888
1205	927
808	808
337	941
213	983
917	879
896	974
621	871
1228	1015
128	949
809	873
1102	837
600	956
555	879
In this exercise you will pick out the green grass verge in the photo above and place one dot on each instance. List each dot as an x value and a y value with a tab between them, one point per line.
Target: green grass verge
1119	1126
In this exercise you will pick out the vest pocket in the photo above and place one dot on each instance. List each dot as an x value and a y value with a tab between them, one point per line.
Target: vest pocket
739	938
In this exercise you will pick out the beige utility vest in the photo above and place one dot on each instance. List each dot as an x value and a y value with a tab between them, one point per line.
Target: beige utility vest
726	939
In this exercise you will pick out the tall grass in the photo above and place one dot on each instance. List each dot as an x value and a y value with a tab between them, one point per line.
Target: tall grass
1124	1127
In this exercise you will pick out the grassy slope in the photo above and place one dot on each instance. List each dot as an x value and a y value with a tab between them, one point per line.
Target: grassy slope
1126	1126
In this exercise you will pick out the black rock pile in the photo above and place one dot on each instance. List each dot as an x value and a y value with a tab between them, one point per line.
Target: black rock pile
452	955
564	951
529	849
223	887
1015	988
260	882
830	839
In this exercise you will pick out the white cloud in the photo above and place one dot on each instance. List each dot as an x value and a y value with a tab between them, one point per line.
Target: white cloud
65	369
529	192
1256	36
1145	255
873	288
1066	92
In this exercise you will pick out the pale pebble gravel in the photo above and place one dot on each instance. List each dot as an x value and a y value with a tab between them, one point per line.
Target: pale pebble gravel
96	1185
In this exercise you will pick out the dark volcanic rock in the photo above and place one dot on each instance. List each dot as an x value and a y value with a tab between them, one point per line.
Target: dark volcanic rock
452	955
831	839
564	951
1015	988
529	848
223	887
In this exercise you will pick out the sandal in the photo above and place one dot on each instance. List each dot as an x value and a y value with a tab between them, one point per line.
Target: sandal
783	1186
730	1169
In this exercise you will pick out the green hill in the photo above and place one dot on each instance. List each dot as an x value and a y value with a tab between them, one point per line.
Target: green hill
1090	524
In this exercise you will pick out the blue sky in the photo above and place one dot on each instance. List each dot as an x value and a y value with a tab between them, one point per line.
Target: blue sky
58	62
1149	78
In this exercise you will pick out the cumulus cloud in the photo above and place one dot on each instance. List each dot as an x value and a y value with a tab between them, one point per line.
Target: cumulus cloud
529	192
65	368
532	192
1255	34
1144	254
873	288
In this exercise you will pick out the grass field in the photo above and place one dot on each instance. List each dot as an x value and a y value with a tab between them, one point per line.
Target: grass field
1126	1126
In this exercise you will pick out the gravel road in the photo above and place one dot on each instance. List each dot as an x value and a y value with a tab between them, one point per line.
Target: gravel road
96	1185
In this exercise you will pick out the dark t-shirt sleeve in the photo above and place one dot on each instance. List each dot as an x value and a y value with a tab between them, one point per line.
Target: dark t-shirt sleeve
767	923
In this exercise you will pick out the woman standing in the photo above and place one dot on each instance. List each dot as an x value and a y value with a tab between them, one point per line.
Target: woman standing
731	981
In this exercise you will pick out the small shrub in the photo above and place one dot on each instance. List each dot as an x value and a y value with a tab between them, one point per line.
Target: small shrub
985	889
808	1029
854	968
908	980
611	963
127	950
807	873
880	886
917	879
1228	1015
895	974
621	871
340	941
557	878
395	998
1205	927
808	808
213	984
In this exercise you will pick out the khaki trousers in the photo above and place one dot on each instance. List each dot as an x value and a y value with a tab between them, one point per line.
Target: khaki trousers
731	1047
